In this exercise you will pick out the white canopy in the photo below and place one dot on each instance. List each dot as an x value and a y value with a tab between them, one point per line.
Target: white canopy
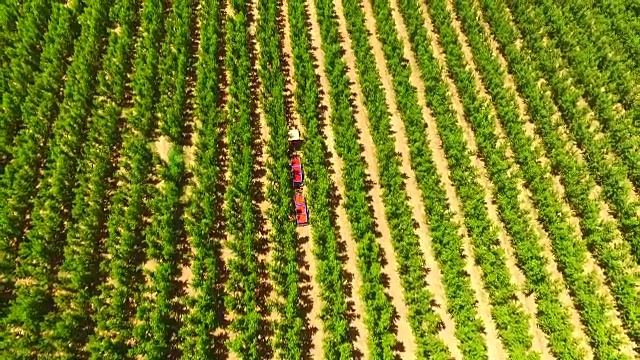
294	135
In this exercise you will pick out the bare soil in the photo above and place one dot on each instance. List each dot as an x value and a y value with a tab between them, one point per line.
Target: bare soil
163	145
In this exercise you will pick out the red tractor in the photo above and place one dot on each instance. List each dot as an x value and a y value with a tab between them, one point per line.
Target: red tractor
302	213
296	172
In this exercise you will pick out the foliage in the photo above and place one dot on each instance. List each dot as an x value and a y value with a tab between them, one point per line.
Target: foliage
158	307
608	171
202	223
508	315
598	234
570	253
40	107
240	212
320	190
126	223
96	229
447	242
288	336
423	320
80	275
552	317
22	63
41	249
600	71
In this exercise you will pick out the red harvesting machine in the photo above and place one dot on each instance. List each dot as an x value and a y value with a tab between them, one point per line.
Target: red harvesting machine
302	213
296	172
297	177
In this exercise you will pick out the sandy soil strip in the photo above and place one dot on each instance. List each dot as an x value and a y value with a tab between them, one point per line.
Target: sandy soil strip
524	196
434	275
590	265
540	343
494	345
354	300
405	337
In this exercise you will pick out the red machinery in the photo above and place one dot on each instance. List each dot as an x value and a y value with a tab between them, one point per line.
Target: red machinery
302	213
296	172
297	177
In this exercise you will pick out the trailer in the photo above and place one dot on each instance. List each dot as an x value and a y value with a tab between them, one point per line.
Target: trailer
297	178
302	212
297	174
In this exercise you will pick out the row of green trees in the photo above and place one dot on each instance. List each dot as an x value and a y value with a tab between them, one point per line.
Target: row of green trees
599	235
622	21
203	223
240	211
320	190
9	14
79	276
23	45
42	247
508	315
594	64
593	48
157	312
569	251
607	171
283	236
551	315
120	291
446	240
381	340
21	176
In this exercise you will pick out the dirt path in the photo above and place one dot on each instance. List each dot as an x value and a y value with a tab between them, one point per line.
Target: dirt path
540	343
354	300
389	268
434	275
494	345
524	197
590	265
